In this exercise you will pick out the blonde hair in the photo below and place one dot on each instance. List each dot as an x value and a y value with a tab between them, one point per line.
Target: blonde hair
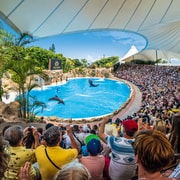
73	171
160	125
153	149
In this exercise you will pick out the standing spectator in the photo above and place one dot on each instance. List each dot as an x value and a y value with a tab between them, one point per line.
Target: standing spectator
29	140
175	141
94	162
153	152
73	170
122	162
174	136
19	155
51	157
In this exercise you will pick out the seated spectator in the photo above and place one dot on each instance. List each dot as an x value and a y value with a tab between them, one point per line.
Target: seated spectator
153	152
51	157
19	155
94	162
4	158
73	170
122	162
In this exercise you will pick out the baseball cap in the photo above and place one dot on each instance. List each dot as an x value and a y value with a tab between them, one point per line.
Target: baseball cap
90	137
130	125
93	144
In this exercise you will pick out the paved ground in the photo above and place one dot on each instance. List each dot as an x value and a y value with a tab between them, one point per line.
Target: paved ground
133	106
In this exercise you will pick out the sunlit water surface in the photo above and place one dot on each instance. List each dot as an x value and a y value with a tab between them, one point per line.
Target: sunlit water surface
81	100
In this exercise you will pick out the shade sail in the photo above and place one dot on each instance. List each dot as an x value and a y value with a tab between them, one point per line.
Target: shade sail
153	55
157	20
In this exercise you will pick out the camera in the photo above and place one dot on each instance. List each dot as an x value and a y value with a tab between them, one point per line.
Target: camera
30	128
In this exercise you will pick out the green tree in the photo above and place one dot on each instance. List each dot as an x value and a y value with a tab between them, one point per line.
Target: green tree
6	41
23	72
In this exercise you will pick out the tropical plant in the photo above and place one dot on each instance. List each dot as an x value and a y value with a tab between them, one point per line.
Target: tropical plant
23	71
5	43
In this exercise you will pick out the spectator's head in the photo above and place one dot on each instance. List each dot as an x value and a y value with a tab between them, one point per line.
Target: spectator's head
160	125
48	125
118	121
73	170
4	129
130	127
14	135
153	150
40	130
85	128
76	128
93	144
52	136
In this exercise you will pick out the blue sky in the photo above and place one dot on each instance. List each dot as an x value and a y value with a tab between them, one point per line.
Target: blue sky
91	45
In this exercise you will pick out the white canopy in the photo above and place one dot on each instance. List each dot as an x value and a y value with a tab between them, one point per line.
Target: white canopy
153	55
130	53
157	20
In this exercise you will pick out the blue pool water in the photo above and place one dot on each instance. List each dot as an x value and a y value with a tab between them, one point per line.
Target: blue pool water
81	100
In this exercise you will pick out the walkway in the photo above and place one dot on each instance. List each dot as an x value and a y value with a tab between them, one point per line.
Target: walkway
133	106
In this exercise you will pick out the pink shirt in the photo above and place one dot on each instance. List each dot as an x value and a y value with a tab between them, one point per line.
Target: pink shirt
95	165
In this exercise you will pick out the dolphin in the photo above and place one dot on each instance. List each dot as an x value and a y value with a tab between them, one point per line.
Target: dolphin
92	84
56	98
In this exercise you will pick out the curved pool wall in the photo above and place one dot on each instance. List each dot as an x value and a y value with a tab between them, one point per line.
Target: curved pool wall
82	101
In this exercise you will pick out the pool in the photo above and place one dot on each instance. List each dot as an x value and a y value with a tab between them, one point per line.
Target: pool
82	101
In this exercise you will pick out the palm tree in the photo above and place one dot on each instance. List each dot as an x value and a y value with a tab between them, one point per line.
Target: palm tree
5	43
23	72
15	59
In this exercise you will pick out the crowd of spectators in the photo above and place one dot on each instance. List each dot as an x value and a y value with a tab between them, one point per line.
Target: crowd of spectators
141	146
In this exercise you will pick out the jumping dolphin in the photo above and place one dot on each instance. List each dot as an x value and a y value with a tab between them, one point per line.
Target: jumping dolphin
56	98
92	84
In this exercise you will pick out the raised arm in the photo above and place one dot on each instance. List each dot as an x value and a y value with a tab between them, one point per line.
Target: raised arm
101	133
70	134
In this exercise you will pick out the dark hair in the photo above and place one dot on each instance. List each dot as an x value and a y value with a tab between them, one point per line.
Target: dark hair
48	125
40	130
75	128
130	133
29	140
52	135
4	129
